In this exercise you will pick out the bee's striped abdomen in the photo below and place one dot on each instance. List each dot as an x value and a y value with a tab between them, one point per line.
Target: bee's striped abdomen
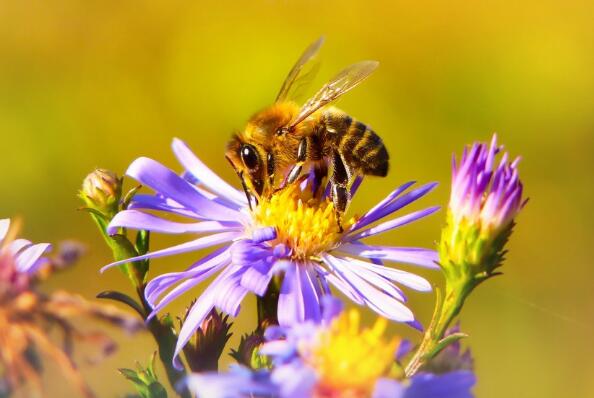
362	149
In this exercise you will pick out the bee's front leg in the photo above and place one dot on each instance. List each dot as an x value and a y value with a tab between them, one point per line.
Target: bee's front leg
298	166
339	182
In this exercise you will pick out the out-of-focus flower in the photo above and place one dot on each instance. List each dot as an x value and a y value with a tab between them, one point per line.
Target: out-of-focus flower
295	232
484	201
26	316
334	358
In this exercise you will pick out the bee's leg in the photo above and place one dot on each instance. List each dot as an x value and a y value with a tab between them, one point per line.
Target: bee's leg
298	166
252	200
339	182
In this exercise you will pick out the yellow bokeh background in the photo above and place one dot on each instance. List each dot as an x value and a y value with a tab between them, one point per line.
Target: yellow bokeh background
99	83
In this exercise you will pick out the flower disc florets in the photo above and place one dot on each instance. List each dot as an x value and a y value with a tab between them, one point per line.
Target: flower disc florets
349	360
305	224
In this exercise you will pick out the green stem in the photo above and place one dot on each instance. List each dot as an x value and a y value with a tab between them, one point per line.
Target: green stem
166	340
447	308
163	333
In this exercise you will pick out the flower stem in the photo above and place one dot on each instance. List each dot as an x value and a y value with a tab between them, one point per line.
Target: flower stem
447	307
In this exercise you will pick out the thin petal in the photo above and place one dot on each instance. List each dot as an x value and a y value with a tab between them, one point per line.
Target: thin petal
407	279
395	223
4	226
375	299
135	219
205	175
27	259
196	244
408	255
162	180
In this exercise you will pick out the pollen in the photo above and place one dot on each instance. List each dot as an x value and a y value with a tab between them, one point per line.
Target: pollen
306	224
349	360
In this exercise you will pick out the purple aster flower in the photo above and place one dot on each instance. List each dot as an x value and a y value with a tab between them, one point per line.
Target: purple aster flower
294	232
332	358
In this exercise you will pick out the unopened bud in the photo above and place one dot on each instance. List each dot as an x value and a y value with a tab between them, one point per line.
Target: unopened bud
485	199
101	191
208	343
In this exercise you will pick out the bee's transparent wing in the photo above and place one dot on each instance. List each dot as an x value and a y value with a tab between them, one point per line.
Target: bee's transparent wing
347	79
291	83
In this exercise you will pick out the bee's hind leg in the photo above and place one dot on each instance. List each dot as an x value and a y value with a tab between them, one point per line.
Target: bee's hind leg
339	182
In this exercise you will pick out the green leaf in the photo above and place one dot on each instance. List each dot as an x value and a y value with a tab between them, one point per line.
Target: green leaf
122	298
443	343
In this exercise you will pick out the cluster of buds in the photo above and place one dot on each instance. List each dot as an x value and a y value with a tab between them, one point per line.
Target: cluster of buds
484	201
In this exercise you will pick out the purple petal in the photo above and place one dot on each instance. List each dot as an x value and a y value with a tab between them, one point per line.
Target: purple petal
456	384
197	273
369	217
164	181
205	175
408	255
139	220
395	223
389	388
230	293
407	279
298	299
27	260
201	308
153	202
196	244
4	226
375	299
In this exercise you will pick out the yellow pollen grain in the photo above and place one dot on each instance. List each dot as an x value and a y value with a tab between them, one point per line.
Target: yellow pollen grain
349	360
307	225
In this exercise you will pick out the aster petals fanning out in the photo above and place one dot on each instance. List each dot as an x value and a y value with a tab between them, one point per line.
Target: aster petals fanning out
294	232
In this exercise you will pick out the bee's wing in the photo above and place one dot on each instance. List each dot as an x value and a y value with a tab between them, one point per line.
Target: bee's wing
347	79
294	75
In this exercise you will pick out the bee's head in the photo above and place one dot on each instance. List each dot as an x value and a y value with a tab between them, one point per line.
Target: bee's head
252	163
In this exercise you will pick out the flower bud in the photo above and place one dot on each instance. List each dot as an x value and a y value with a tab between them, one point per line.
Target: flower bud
208	342
248	352
484	201
101	191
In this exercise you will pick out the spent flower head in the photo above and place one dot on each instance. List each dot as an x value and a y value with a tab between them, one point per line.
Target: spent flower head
27	316
293	236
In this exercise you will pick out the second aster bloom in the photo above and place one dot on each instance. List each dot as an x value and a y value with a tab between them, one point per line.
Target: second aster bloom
295	233
485	199
333	358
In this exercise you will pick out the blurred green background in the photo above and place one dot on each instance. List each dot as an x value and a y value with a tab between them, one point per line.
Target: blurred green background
99	83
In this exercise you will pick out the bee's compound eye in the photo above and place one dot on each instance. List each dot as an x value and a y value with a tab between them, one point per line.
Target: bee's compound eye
249	156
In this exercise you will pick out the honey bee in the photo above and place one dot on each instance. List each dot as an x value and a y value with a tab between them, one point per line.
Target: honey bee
280	140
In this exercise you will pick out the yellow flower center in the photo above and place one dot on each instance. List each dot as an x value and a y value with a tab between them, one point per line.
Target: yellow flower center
306	224
348	360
